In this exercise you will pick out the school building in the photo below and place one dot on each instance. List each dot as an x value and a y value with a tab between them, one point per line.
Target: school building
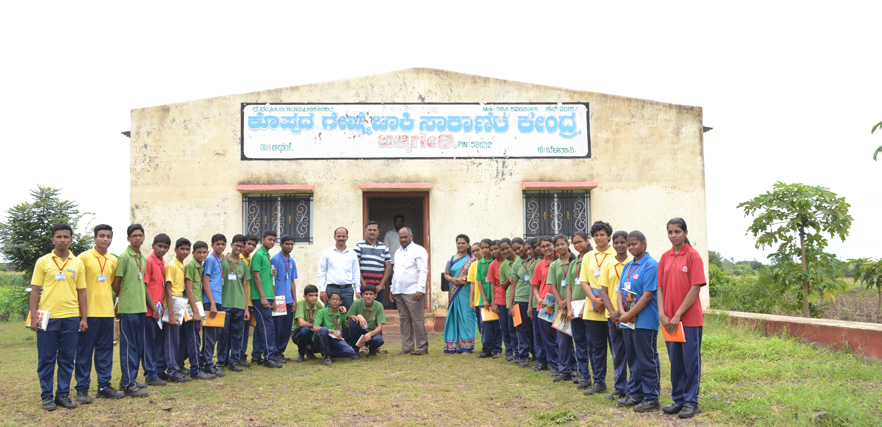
453	153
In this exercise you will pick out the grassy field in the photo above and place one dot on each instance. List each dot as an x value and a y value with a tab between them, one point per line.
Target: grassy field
748	379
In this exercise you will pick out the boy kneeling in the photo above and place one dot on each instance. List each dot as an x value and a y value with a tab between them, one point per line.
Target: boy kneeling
366	319
304	315
328	328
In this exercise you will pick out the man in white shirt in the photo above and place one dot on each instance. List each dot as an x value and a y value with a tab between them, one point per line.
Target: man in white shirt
391	237
338	269
408	287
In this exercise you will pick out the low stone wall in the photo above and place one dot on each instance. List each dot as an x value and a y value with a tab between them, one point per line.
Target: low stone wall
861	338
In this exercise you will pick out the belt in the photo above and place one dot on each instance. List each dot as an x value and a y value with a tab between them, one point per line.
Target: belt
341	286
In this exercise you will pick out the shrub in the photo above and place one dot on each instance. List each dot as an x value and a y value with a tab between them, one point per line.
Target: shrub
13	297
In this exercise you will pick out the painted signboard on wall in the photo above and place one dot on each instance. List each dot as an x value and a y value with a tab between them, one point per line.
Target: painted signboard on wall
283	131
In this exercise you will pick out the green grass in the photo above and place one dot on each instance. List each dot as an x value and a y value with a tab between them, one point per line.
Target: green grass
747	379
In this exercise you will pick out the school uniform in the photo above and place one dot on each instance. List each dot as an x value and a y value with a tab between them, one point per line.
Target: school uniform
236	275
560	275
97	341
522	270
596	328
190	341
302	335
543	339
506	325
131	308
154	336
481	277
475	282
640	276
678	273
59	281
264	342
286	271
174	357
243	349
323	342
610	276
375	316
211	336
491	339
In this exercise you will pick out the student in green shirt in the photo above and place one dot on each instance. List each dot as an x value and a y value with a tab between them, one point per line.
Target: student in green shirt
506	327
237	277
262	295
328	329
190	340
519	299
304	315
366	317
133	297
561	274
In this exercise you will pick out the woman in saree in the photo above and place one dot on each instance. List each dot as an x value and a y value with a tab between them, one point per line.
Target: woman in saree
460	329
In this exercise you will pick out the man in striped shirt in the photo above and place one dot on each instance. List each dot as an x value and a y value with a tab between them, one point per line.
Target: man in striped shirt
374	260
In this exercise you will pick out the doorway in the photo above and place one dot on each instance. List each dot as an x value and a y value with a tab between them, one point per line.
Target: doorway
382	207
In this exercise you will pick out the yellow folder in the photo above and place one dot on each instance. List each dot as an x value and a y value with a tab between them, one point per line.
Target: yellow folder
488	315
217	322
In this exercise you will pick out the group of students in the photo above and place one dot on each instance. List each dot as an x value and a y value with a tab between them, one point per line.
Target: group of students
607	296
197	310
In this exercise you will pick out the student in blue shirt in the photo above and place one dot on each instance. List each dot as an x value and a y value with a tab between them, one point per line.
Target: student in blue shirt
212	300
639	322
286	274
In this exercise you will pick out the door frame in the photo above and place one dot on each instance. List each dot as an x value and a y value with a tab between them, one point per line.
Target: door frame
427	244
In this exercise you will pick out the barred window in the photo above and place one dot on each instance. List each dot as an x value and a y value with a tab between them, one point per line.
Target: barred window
286	214
547	213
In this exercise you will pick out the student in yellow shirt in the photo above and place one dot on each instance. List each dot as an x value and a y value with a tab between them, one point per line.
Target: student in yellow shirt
100	267
609	281
58	287
474	294
595	311
175	286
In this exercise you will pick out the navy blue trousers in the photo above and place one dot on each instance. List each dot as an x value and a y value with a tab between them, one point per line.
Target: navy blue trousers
524	331
356	331
480	325
549	341
228	347
620	359
539	339
491	337
190	346
302	337
211	336
174	356
264	341
597	337
243	349
580	341
640	345
283	325
154	349
131	346
566	361
331	347
686	366
57	345
97	341
506	329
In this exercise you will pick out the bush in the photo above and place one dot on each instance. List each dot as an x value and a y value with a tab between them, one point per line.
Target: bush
755	293
13	297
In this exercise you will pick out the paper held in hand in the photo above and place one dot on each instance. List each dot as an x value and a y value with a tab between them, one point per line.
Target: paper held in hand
182	309
547	313
362	341
216	322
487	315
577	307
43	315
562	323
279	308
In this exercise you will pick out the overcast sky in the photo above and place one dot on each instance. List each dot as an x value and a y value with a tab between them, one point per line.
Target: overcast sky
791	91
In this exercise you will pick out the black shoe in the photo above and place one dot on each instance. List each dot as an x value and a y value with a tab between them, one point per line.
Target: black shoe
688	411
524	362
65	402
179	378
509	358
218	371
553	373
583	384
256	361
327	361
566	376
281	360
354	356
83	397
628	401
484	354
310	356
163	376
576	377
672	408
539	366
286	359
185	371
300	358
244	363
235	367
109	393
646	406
140	385
49	404
496	355
372	353
596	388
135	391
615	396
271	364
156	382
203	376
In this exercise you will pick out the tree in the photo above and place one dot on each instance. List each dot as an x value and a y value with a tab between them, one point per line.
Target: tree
869	273
878	149
26	234
796	217
715	258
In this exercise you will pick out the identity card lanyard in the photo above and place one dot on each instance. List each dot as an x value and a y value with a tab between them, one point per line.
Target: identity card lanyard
336	321
140	268
61	269
630	272
599	263
233	267
285	263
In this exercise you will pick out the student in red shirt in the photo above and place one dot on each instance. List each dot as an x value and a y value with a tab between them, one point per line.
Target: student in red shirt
154	336
680	278
542	330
